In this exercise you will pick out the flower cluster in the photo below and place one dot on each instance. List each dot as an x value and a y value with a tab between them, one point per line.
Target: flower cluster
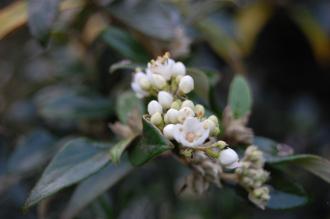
178	117
252	176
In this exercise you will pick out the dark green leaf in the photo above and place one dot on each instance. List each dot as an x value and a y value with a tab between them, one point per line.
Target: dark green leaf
285	194
312	163
240	98
94	186
42	15
31	152
151	144
71	103
127	103
117	150
152	18
125	44
77	159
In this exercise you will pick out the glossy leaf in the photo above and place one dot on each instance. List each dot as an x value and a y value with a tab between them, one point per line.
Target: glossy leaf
240	98
124	44
127	103
117	150
77	159
312	163
150	145
71	103
94	186
32	151
285	194
41	16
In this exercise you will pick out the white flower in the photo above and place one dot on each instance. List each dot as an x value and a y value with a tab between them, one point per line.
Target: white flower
171	116
169	130
199	110
140	84
178	69
188	103
162	66
191	133
229	158
184	113
154	107
165	99
186	84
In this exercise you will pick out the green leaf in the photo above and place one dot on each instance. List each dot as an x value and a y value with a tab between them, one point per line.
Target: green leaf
66	103
125	44
127	103
312	163
117	150
151	18
42	15
285	194
31	152
151	144
94	186
240	98
77	159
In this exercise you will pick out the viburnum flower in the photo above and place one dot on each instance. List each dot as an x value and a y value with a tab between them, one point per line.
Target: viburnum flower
154	107
163	66
186	84
191	133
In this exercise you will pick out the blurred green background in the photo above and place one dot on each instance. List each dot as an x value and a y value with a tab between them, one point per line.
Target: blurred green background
55	83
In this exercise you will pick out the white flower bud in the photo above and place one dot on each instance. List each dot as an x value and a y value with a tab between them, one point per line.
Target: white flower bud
178	69
154	107
209	124
144	83
171	116
186	84
169	130
184	113
199	110
214	119
158	81
229	158
188	103
165	99
156	119
176	104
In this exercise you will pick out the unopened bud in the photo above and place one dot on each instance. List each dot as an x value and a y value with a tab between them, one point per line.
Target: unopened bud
229	158
186	84
168	131
172	116
199	110
156	119
154	107
158	81
178	69
165	99
188	103
176	104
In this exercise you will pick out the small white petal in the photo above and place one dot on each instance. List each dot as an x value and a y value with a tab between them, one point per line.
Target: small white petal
154	107
165	99
169	131
186	84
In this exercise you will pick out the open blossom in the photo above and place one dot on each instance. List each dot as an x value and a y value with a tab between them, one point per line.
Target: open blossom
191	133
163	66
